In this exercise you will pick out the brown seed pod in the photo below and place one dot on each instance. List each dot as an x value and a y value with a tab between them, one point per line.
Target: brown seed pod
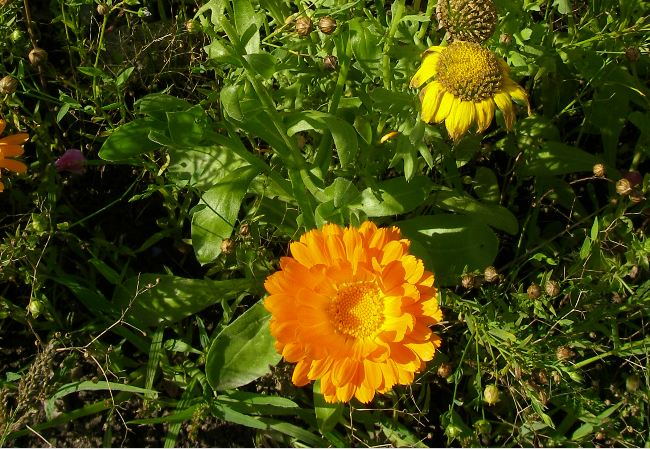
245	229
228	246
632	54
534	291
37	57
8	85
599	170
330	62
563	353
445	370
552	288
636	195
505	38
103	9
623	186
304	26
468	281
490	274
327	25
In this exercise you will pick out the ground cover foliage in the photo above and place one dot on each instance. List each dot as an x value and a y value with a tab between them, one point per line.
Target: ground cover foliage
216	133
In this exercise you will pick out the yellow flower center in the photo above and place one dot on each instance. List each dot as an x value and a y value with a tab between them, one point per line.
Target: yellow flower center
469	71
358	309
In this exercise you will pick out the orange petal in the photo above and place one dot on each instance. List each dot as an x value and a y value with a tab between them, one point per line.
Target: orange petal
15	139
299	377
11	150
13	165
319	368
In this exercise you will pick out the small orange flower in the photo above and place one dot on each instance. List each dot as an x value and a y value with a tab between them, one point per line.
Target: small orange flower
11	146
353	309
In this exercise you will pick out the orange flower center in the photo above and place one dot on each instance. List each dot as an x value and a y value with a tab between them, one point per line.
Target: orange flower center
358	309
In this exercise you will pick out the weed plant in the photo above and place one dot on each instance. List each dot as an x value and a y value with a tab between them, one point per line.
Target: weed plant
215	133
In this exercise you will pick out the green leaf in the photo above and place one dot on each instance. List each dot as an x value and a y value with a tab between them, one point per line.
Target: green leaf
486	185
203	166
221	53
215	223
555	158
247	26
132	139
491	214
342	191
186	128
93	72
90	386
152	298
365	46
263	63
394	196
345	138
452	242
124	76
161	103
327	414
243	351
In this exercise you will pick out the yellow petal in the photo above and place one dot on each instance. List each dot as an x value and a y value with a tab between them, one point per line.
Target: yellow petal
505	105
484	114
514	90
431	96
460	118
3	124
427	70
444	109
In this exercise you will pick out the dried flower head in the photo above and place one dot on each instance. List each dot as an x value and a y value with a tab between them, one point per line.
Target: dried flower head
599	170
623	186
330	62
534	291
304	26
8	85
467	20
228	246
327	25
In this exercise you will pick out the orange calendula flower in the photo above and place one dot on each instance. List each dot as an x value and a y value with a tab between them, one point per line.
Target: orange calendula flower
470	82
11	146
353	309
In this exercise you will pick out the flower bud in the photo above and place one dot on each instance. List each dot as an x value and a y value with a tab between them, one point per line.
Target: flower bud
599	170
534	291
491	274
327	25
304	26
468	281
37	57
632	54
192	26
557	378
491	394
632	383
623	186
552	288
445	370
8	85
634	177
330	62
483	426
228	246
103	9
636	195
36	308
16	36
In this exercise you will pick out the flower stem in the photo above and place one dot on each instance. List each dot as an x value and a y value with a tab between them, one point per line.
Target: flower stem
397	16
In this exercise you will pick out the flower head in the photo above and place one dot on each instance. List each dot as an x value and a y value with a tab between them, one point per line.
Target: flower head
467	20
11	146
353	309
470	80
72	160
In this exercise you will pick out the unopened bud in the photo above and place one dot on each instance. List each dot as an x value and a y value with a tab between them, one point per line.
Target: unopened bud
491	274
636	195
304	26
634	177
245	229
37	57
36	308
632	54
192	26
599	170
623	186
330	62
8	85
534	291
563	353
468	281
557	378
552	288
327	25
491	394
228	246
483	426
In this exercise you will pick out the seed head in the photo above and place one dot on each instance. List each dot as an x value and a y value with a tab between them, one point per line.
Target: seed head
563	353
467	20
245	229
468	281
534	291
623	186
8	85
632	383
445	370
37	57
632	54
330	62
228	246
599	170
491	274
304	26
552	288
103	9
505	38
636	195
327	25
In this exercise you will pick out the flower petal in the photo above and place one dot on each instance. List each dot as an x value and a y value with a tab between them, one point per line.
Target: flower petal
505	105
460	118
13	165
427	70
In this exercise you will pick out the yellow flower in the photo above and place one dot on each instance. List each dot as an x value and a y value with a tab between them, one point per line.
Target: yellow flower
353	309
469	81
11	146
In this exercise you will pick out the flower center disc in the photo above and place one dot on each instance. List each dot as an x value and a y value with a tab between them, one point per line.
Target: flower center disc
469	71
358	309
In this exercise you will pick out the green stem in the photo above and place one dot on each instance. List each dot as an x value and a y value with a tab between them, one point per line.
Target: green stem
425	25
389	40
99	51
620	350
